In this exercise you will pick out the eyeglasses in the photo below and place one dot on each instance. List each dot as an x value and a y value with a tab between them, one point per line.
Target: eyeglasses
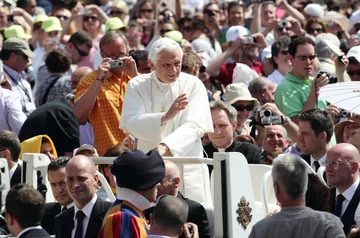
187	28
319	30
335	164
146	10
284	52
212	12
163	31
241	108
87	18
62	16
305	57
353	72
114	12
81	53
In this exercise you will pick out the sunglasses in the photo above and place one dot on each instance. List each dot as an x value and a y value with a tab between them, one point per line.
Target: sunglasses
22	54
241	108
114	12
187	28
163	31
81	53
312	30
305	57
93	18
146	10
284	52
62	16
353	72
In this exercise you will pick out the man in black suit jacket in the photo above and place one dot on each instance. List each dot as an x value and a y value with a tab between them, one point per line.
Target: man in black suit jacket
170	186
10	150
222	139
24	209
342	173
316	129
56	175
88	209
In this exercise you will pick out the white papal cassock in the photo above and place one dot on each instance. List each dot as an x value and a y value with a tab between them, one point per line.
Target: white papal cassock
146	99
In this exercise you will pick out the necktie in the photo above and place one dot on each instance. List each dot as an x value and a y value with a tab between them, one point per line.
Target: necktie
317	165
64	209
338	206
79	227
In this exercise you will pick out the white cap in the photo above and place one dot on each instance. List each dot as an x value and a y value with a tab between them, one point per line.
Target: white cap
354	18
314	10
354	52
85	147
266	53
236	31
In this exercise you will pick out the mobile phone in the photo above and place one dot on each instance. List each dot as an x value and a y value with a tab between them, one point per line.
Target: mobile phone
83	11
114	64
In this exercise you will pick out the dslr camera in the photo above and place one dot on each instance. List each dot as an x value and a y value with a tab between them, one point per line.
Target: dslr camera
332	79
114	64
267	118
283	23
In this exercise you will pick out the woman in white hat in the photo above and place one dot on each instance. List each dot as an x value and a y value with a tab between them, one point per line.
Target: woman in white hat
239	97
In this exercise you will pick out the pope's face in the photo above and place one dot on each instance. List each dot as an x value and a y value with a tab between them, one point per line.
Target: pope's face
168	66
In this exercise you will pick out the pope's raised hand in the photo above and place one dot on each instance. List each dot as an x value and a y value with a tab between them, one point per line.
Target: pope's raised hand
178	105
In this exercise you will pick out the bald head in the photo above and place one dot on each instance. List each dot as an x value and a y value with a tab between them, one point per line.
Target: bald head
78	74
83	162
345	150
262	89
170	183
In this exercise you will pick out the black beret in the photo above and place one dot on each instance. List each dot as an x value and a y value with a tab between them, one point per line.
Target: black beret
137	170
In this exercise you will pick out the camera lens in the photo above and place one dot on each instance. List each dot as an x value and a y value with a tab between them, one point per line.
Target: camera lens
267	113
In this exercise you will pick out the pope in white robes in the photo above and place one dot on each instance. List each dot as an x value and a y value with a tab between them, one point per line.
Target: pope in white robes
169	110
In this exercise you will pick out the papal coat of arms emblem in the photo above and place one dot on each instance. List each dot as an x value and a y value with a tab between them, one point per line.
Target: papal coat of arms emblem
244	212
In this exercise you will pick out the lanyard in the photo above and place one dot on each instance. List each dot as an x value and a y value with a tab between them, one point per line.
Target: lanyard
21	86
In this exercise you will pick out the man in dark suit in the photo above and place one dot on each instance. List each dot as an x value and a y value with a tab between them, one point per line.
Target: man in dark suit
222	139
10	150
342	173
316	129
24	209
56	176
170	186
85	218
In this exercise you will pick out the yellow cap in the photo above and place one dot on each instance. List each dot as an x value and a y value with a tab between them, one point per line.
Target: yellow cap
174	35
51	24
114	23
16	31
40	18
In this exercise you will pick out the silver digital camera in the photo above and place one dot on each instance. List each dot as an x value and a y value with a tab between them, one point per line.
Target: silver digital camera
283	23
343	115
116	64
267	118
248	39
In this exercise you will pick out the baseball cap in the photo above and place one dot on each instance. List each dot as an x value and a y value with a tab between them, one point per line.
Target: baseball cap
86	147
354	52
175	35
51	24
236	31
314	10
40	18
114	23
16	31
18	44
266	53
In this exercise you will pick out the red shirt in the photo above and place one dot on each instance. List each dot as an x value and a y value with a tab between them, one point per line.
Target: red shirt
227	69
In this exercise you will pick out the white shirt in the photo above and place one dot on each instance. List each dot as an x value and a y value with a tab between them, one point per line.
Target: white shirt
12	170
28	229
348	194
68	206
133	197
87	211
321	161
276	77
12	116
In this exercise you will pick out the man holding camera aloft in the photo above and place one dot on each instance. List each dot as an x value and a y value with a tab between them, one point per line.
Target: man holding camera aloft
100	95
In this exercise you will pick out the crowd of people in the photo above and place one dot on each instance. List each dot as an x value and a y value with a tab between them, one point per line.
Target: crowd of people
146	79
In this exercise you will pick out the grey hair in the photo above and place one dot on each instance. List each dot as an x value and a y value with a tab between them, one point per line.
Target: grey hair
290	173
258	84
161	44
113	36
170	213
228	109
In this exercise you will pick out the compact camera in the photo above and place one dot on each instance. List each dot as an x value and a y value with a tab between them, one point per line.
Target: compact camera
283	23
332	79
116	64
267	118
343	115
248	39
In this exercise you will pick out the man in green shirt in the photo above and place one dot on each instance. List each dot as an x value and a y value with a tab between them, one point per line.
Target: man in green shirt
298	91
